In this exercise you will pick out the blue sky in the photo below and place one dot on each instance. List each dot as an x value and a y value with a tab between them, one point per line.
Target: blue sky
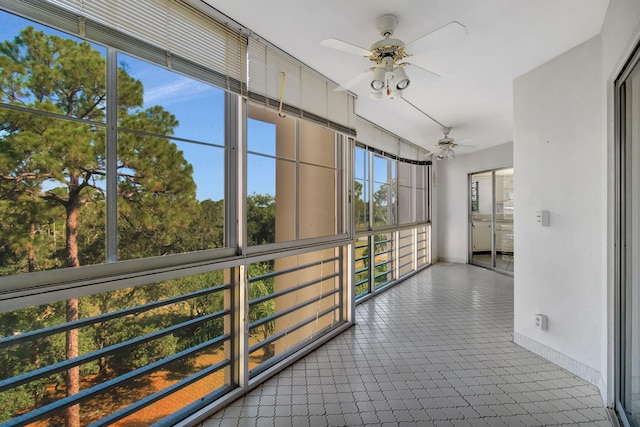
199	109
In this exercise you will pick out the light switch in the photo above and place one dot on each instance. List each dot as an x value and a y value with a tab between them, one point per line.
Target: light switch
542	218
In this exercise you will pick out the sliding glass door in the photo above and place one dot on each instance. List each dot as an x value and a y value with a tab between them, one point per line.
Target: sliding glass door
491	219
628	245
481	218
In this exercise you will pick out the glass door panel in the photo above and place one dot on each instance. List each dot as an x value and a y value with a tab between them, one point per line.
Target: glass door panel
503	190
481	218
491	219
628	391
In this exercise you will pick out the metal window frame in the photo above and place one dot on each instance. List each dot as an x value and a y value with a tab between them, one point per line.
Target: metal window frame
622	253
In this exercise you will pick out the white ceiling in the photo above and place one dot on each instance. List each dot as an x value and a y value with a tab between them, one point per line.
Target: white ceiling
506	38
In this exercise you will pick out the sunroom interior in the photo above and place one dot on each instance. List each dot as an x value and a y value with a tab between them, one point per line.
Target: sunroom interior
193	199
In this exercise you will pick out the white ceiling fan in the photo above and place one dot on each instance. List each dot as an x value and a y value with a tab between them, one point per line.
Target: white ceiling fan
447	144
388	75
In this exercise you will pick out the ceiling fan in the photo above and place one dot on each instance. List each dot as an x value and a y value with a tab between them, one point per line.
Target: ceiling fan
447	144
388	55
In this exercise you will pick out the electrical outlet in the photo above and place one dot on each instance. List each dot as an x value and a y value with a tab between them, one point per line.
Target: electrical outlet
542	322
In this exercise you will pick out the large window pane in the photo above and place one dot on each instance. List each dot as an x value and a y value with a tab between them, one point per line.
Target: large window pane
170	192
271	178
292	179
384	191
421	193
52	170
405	193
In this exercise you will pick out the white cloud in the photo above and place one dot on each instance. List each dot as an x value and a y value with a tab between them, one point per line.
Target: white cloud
180	89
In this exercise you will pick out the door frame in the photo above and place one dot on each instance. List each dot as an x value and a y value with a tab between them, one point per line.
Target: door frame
493	221
622	263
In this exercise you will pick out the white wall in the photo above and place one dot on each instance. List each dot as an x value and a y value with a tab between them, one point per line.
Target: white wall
451	223
563	157
559	157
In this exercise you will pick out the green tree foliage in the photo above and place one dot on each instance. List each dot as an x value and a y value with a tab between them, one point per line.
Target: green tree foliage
28	356
51	169
360	207
52	206
384	204
261	219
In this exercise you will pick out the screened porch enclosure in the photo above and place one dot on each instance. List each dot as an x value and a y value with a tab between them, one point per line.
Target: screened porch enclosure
172	234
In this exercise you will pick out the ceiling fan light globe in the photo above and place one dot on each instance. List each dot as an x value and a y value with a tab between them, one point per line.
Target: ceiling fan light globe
379	78
400	78
450	154
377	84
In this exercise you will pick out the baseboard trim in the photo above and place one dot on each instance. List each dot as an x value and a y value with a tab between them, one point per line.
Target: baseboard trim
587	373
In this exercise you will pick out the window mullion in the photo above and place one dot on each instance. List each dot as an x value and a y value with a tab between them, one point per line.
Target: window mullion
111	240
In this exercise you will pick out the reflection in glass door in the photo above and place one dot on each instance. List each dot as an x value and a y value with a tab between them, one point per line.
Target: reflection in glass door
481	191
503	215
628	245
491	219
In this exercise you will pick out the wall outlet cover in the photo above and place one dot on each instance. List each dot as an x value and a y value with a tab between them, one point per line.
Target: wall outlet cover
542	322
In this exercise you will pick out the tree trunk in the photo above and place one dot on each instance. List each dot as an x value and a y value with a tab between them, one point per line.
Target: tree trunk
72	413
73	374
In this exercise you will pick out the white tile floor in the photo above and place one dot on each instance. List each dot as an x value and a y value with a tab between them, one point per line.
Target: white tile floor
435	350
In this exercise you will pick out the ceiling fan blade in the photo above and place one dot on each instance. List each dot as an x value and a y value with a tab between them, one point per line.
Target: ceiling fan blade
449	33
353	81
423	76
346	47
465	142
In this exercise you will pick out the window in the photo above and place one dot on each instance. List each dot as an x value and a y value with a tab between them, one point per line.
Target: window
406	196
396	242
171	169
52	156
170	173
384	191
286	159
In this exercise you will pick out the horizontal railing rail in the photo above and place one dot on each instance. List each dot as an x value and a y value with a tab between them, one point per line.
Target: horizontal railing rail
63	327
291	309
85	395
283	292
55	368
293	328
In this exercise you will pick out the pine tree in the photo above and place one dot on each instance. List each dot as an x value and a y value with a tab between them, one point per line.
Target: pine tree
52	169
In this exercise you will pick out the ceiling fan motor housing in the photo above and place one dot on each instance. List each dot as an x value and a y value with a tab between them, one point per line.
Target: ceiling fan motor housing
387	24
